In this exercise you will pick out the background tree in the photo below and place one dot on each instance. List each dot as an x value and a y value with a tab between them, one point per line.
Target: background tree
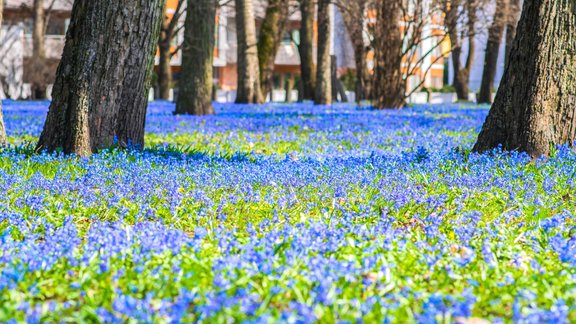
535	106
103	79
249	90
170	28
306	50
495	34
398	36
354	13
196	81
2	128
390	85
270	38
460	32
514	10
39	72
323	95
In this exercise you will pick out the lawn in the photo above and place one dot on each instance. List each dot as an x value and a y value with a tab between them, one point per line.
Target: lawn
287	213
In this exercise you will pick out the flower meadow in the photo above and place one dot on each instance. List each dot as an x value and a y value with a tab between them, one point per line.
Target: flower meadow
287	213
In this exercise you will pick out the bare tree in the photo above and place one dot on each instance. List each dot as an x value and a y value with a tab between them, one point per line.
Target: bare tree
535	106
271	32
355	14
390	84
461	31
495	34
103	79
401	29
306	50
249	90
323	94
514	10
195	96
171	26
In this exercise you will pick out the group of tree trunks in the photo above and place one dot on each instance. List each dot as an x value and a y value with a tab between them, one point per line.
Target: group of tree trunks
102	82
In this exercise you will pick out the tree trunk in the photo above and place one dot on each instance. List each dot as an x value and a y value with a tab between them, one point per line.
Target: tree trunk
164	66
249	91
511	24
323	95
306	50
389	86
334	77
196	81
38	68
354	19
495	34
2	128
289	87
536	103
271	33
462	73
101	91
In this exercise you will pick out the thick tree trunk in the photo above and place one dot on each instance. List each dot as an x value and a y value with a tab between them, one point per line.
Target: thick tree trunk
249	91
38	68
269	41
103	79
196	81
164	66
514	11
323	95
495	34
536	103
306	50
2	128
389	85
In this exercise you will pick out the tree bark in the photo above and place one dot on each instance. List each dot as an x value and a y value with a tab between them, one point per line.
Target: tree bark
536	103
271	33
289	87
306	50
101	91
196	81
462	73
323	95
514	11
354	19
249	91
495	34
38	68
168	32
2	127
164	66
389	86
